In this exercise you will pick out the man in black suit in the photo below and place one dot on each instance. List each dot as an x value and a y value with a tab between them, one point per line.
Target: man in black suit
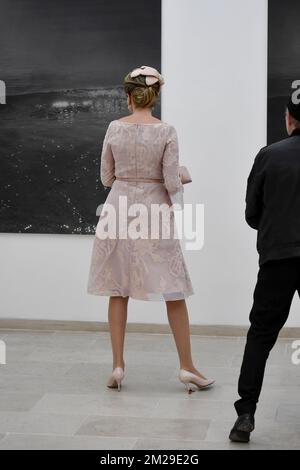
273	209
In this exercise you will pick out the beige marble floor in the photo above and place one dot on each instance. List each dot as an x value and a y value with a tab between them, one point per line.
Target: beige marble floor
53	394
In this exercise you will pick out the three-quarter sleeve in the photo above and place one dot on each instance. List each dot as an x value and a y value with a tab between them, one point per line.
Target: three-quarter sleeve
170	168
107	165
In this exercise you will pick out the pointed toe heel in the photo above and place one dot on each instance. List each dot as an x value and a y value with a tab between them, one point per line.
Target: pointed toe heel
115	380
189	379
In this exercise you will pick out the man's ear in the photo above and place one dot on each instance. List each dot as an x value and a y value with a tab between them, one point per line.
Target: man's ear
291	120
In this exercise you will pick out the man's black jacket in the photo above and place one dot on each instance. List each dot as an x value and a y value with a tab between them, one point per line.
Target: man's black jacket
273	199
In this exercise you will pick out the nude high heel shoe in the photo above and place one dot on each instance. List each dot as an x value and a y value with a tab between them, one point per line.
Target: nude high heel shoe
188	378
115	380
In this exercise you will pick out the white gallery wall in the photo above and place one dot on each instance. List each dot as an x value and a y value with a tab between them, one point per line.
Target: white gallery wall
214	60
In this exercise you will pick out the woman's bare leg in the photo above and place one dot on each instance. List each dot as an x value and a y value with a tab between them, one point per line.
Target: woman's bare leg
117	318
179	323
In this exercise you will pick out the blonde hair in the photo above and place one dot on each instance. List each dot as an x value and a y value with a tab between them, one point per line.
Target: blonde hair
143	95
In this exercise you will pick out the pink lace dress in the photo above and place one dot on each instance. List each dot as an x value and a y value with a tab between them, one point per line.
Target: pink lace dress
150	268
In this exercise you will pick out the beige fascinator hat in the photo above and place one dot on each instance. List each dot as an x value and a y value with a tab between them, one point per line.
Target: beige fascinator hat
152	75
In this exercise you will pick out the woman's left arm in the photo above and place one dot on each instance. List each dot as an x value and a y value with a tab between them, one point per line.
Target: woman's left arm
170	168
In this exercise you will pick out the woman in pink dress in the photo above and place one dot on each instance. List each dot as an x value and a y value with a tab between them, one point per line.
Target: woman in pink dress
140	162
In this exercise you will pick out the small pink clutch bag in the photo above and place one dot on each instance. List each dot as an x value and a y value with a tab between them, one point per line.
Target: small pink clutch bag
184	175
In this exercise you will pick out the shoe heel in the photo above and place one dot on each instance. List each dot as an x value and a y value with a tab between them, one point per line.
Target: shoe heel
188	388
239	436
115	380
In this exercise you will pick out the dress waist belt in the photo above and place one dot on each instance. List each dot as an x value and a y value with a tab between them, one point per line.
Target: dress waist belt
141	180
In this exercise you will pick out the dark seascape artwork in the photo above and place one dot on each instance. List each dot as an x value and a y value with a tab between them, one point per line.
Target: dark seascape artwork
63	63
283	62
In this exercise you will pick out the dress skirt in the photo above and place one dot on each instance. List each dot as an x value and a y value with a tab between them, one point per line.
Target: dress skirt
150	268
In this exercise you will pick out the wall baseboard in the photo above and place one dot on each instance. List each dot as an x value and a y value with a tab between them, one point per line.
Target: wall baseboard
154	328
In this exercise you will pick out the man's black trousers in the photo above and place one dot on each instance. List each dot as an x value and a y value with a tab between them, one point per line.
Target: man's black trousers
277	283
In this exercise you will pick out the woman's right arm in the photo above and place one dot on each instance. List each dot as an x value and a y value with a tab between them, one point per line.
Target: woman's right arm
107	172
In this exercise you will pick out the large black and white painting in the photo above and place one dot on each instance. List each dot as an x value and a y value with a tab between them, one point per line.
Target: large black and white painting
284	60
63	63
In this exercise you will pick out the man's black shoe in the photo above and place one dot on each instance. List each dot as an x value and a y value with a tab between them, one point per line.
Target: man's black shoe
244	425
